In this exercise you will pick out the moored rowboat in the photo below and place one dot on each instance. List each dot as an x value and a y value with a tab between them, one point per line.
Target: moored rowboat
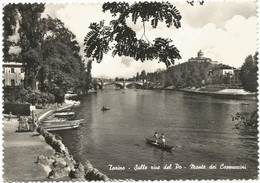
158	145
59	128
62	121
62	114
63	110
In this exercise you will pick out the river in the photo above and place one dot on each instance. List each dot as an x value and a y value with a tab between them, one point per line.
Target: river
201	127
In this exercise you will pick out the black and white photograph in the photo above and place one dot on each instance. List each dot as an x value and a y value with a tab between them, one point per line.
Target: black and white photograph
130	91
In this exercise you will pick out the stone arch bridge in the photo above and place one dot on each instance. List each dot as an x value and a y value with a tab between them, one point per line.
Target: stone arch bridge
120	84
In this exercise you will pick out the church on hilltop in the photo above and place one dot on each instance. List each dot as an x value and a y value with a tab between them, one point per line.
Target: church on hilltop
201	58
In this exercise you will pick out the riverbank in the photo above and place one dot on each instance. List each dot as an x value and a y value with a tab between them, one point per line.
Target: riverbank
216	91
43	154
20	153
238	94
22	149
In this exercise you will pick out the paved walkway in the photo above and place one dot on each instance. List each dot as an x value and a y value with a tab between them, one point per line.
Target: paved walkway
20	154
21	150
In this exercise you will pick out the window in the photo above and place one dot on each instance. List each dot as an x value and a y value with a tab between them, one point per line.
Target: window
12	70
12	82
22	70
22	82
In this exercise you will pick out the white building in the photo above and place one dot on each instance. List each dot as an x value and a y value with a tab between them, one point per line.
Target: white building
200	58
13	74
228	71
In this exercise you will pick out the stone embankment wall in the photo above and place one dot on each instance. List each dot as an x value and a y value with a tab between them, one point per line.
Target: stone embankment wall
62	164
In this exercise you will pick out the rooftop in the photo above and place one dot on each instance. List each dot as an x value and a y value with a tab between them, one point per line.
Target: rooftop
12	64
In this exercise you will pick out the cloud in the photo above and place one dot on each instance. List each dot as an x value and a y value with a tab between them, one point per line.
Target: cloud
229	45
126	61
228	37
217	12
112	67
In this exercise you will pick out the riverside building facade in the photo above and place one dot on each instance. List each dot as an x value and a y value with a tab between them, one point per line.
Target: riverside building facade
13	74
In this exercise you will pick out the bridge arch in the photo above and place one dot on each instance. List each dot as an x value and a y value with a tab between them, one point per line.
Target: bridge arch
134	83
121	85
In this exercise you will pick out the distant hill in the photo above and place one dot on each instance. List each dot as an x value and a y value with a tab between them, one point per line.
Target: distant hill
191	74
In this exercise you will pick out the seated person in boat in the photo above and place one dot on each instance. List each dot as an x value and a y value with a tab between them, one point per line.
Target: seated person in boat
155	137
163	140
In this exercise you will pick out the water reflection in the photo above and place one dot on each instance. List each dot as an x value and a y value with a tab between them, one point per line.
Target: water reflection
200	125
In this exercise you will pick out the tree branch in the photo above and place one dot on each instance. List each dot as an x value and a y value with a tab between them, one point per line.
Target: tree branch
144	35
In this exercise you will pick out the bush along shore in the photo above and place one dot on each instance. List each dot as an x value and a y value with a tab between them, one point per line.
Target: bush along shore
62	165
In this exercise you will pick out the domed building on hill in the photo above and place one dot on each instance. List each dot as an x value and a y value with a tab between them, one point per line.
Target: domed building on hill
201	58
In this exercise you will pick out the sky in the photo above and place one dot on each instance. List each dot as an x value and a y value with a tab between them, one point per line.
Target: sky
225	31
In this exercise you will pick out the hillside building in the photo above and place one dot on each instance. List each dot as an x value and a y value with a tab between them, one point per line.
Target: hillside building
13	74
200	58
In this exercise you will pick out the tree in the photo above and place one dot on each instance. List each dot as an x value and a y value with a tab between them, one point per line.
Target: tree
9	25
30	36
246	120
137	76
95	84
49	50
122	40
143	75
61	65
249	73
88	76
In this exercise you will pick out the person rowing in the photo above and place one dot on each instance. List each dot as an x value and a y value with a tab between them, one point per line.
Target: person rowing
162	139
155	137
105	108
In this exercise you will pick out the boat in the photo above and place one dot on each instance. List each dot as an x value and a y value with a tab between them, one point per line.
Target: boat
64	114
158	145
61	121
8	115
72	102
105	108
68	95
63	110
61	127
245	103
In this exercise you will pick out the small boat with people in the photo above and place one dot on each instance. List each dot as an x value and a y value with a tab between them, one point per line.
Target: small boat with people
158	145
64	114
105	108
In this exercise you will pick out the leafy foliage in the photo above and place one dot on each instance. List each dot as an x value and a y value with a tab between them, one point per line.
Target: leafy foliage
97	41
249	73
246	120
49	51
9	26
182	75
27	17
62	66
122	40
155	11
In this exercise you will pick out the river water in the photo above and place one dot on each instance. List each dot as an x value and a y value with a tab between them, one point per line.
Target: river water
200	126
